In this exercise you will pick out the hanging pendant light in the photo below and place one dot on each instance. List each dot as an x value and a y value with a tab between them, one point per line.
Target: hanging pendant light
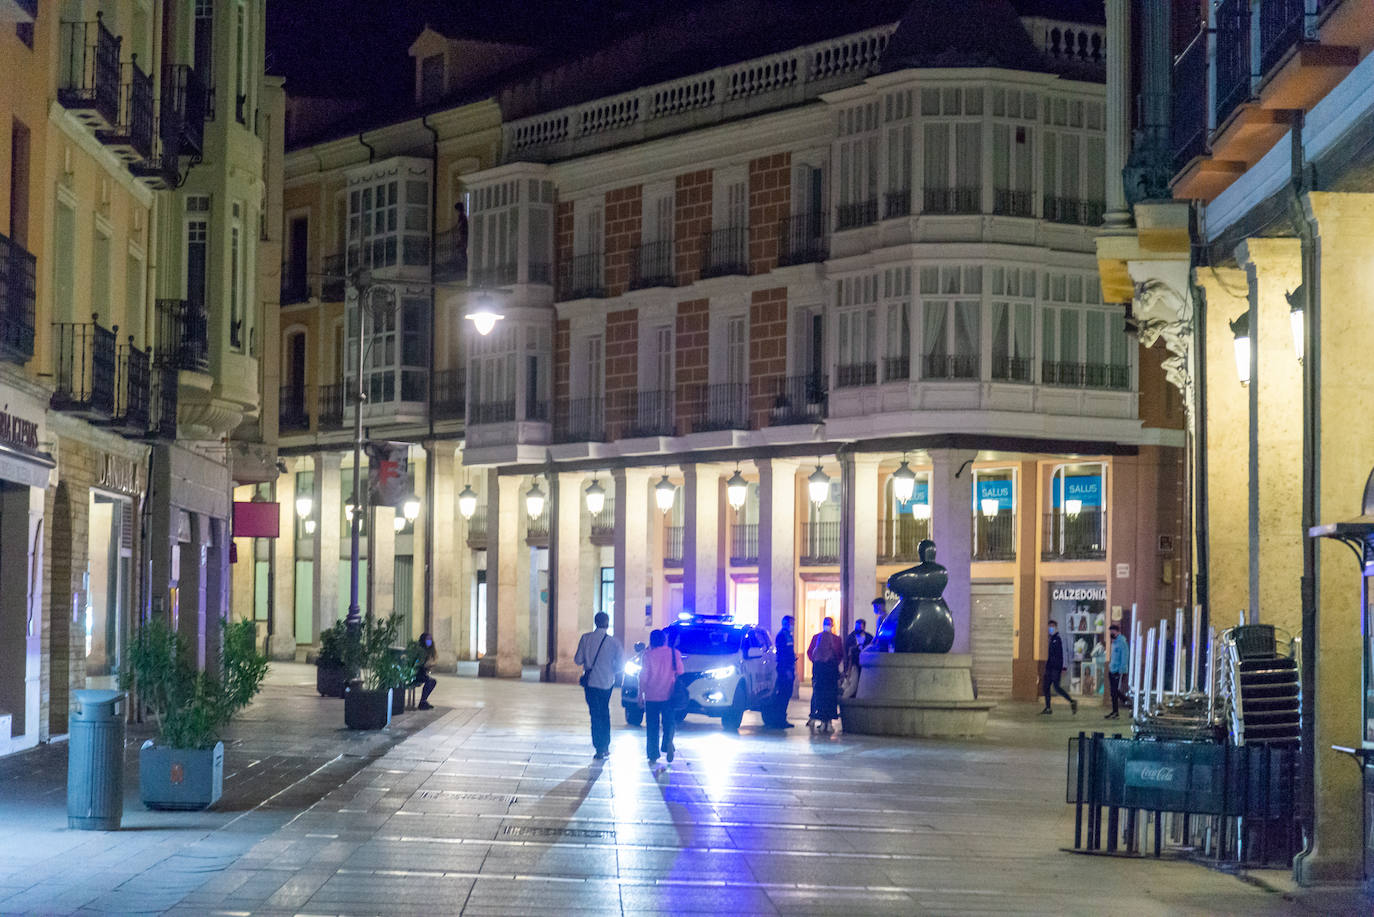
467	502
534	500
818	485
596	497
410	509
665	493
399	522
903	482
736	490
303	507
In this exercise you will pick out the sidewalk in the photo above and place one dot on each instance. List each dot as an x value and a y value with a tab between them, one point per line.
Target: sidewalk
282	754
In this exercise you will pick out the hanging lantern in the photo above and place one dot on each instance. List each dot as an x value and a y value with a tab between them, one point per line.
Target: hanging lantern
990	507
665	493
596	497
303	507
736	490
411	508
310	526
534	501
467	502
818	486
903	483
399	522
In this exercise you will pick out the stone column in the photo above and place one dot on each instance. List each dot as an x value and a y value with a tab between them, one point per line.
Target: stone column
502	657
631	552
329	517
447	601
191	620
565	573
777	541
702	569
1273	268
381	562
951	527
858	538
283	644
1340	323
1118	109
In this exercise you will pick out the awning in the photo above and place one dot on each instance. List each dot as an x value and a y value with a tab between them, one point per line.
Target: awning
23	466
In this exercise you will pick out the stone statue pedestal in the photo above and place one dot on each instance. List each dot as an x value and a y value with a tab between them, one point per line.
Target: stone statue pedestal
915	694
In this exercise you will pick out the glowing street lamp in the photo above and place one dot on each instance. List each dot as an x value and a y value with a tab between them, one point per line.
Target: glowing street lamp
596	497
310	526
304	505
411	508
903	482
990	507
665	493
1072	508
399	523
818	486
921	510
736	490
534	500
467	502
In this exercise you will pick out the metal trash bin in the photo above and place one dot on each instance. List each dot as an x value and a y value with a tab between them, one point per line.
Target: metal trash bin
95	761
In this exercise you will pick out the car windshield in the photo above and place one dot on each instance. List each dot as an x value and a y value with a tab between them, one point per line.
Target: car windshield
705	639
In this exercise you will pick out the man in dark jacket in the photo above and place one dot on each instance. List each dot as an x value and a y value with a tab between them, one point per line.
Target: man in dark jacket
776	715
1054	668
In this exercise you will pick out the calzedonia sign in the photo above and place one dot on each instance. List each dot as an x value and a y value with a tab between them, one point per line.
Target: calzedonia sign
1083	593
16	431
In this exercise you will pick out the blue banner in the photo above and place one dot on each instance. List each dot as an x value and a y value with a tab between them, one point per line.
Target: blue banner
1084	487
1001	491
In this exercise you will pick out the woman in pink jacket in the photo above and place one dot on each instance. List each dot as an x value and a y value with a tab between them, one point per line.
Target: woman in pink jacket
660	667
826	652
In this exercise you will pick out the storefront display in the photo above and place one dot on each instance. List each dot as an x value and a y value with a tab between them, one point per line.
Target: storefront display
1081	610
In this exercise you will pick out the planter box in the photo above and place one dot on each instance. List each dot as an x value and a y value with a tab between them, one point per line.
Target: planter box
330	680
398	701
367	709
180	778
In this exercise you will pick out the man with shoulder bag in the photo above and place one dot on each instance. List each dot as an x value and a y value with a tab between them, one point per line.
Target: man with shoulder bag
601	658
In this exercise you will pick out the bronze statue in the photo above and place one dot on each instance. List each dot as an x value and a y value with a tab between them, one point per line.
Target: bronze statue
921	622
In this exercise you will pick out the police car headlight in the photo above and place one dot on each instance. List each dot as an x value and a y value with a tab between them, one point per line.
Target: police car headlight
722	672
632	667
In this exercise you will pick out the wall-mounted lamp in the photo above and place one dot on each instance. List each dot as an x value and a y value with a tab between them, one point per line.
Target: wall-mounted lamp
596	497
1241	329
467	502
818	485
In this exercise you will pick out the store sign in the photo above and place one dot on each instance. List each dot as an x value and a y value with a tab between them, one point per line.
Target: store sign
16	431
1079	592
118	474
1085	488
1001	491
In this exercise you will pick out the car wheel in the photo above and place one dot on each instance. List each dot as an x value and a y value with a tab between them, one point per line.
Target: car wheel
731	719
634	716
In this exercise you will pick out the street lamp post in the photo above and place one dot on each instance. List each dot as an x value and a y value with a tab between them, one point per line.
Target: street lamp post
364	294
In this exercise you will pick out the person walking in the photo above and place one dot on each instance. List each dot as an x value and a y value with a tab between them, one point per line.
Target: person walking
601	657
660	667
826	653
786	659
1054	668
1117	668
425	657
858	640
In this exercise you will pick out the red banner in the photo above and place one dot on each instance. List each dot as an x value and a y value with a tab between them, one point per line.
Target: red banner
257	520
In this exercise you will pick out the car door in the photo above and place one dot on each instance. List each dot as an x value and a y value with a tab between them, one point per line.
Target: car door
759	665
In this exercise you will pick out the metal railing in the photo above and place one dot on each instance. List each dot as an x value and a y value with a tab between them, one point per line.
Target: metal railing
715	406
186	91
672	546
799	400
949	366
1280	28
132	389
725	251
897	369
537	529
651	265
1085	375
295	283
851	375
1012	203
451	254
582	420
493	412
18	288
450	394
1073	211
1081	536
183	329
583	277
820	544
602	528
636	414
968	199
332	278
84	368
897	204
802	239
1011	369
860	213
496	275
1232	60
899	537
994	536
1188	123
293	413
330	402
132	135
477	528
744	544
88	70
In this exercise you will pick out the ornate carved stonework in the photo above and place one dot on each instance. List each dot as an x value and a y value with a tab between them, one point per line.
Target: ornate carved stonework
1163	313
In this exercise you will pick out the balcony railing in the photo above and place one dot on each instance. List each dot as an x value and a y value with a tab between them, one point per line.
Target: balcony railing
802	239
295	283
1188	125
330	405
1012	203
293	415
84	360
820	544
180	128
860	213
725	251
1085	375
1232	56
332	283
450	394
493	412
744	544
799	400
1081	536
132	390
499	275
967	199
949	366
896	369
672	546
899	537
635	414
183	340
897	204
162	425
88	72
132	136
1073	211
1280	27
602	529
582	421
451	254
851	375
994	536
1011	369
537	529
477	528
583	277
712	407
651	265
18	272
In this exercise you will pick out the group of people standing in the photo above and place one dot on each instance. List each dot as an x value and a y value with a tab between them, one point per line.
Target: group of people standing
835	669
1117	669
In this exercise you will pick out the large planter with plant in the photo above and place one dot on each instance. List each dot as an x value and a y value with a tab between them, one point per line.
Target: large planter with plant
399	678
367	703
332	669
183	767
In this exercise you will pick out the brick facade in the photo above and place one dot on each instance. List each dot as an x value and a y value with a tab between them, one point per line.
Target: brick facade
624	219
770	203
691	221
767	350
692	338
622	351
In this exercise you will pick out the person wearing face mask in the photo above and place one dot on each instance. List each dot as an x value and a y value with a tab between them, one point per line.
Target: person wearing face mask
1054	669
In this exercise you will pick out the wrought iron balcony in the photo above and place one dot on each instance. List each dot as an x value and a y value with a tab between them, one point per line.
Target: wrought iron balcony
17	295
293	414
295	283
133	390
1012	203
725	252
672	546
477	529
1011	369
1232	63
603	524
897	369
897	204
799	400
802	239
852	375
1085	375
1073	211
450	394
582	420
537	529
994	536
332	274
1280	28
949	366
967	199
451	254
744	544
183	335
84	369
651	265
899	537
180	128
1188	124
636	414
583	277
88	72
492	412
131	138
861	213
330	405
496	275
1081	536
820	544
162	424
713	407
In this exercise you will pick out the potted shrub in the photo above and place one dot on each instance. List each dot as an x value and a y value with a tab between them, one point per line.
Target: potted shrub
367	700
332	669
183	767
399	676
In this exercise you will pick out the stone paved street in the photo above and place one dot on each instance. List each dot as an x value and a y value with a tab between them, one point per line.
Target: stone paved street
495	806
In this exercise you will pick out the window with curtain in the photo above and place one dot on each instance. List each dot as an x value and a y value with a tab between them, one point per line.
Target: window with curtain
1011	341
856	157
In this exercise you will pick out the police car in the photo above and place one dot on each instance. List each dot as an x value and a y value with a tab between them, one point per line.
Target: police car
730	668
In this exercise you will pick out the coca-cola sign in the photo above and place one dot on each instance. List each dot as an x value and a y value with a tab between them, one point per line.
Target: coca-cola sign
1160	775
